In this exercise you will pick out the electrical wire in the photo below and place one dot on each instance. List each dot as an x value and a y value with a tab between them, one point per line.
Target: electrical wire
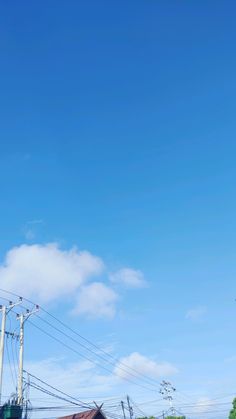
84	356
98	355
10	364
37	387
94	353
12	352
86	340
56	389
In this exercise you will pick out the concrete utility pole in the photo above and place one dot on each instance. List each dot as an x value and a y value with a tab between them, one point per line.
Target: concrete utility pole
5	310
123	408
22	317
21	357
2	342
131	413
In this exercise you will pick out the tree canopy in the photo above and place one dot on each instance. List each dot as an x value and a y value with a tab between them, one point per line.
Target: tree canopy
232	414
175	417
170	417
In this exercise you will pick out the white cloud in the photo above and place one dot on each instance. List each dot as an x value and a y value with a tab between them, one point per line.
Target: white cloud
203	405
196	314
143	365
81	379
45	272
131	278
96	300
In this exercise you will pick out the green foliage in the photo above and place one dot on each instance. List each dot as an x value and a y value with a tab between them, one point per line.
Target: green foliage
170	417
147	417
175	417
232	414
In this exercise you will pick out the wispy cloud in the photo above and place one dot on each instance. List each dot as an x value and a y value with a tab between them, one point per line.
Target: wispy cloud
196	314
144	365
131	278
39	221
203	405
29	234
31	228
81	378
230	359
96	300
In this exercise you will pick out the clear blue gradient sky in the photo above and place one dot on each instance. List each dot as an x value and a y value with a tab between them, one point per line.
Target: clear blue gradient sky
118	133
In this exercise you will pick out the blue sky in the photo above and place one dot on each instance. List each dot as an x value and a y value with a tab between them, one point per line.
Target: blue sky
118	137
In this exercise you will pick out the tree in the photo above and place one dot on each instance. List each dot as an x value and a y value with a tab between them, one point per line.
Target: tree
175	417
167	417
147	417
232	414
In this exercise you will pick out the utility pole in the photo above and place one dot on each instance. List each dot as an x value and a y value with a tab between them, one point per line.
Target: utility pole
5	310
123	408
21	357
4	315
131	413
22	317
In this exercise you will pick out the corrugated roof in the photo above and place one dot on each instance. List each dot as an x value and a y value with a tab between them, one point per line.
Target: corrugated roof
88	414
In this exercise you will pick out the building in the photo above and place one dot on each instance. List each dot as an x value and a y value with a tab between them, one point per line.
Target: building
88	414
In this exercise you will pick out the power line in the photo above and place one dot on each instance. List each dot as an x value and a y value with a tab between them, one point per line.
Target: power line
61	408
56	389
37	387
91	360
14	338
10	364
88	349
150	380
137	408
84	356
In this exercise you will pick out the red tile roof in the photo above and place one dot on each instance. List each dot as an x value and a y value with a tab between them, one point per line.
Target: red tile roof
88	414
